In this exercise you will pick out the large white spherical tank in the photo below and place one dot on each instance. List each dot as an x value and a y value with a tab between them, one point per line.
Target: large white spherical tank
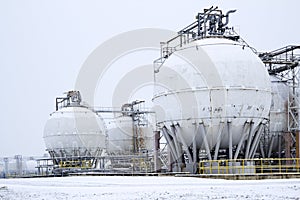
121	136
75	131
212	81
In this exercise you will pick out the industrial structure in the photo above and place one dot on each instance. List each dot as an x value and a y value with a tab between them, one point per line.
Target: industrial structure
83	138
218	97
218	104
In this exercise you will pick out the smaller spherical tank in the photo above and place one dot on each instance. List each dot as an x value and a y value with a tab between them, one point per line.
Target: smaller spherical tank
75	131
125	137
278	113
120	135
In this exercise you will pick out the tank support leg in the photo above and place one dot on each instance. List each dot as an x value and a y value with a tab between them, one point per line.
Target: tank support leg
170	143
244	133
256	141
271	145
262	151
178	131
221	127
178	148
251	131
203	134
230	139
157	162
279	145
195	152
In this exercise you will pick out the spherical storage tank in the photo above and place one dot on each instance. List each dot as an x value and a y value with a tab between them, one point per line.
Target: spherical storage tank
278	113
124	137
208	84
75	131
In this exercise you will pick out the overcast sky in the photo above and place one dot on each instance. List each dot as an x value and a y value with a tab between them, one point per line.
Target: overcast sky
43	45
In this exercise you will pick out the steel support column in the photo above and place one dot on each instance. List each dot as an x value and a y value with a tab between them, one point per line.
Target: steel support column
169	141
157	163
195	151
297	144
256	141
251	131
176	144
203	134
244	133
229	139
271	145
183	142
221	127
261	147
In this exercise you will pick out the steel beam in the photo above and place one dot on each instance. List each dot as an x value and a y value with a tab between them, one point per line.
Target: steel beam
229	139
177	145
244	133
261	146
195	152
183	141
251	131
271	145
256	141
203	134
169	141
220	131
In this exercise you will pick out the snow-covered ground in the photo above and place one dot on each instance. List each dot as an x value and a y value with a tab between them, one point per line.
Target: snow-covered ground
124	187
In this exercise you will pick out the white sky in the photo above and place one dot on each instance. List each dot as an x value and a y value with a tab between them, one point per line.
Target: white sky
43	45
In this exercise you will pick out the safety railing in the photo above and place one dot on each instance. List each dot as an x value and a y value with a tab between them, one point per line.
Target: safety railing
250	166
83	164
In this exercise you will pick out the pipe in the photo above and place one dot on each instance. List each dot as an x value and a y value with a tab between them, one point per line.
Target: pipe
227	16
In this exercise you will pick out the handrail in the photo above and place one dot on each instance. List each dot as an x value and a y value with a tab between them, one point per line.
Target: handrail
250	166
